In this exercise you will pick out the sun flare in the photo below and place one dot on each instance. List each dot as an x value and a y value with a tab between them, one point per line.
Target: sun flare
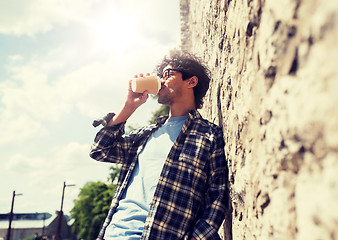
112	32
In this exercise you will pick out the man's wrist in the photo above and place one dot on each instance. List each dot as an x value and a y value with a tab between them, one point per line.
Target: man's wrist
123	115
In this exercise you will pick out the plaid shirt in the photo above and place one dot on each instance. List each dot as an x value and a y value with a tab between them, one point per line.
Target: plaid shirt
191	196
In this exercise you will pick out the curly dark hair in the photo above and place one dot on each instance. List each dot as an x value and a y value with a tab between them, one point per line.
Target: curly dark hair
189	65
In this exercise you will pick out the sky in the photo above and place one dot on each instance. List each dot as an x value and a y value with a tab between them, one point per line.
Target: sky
62	65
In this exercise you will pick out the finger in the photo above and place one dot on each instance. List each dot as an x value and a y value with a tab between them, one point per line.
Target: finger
129	84
145	95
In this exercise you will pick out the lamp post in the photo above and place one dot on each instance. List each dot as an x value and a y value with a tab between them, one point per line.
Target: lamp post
61	213
43	225
11	216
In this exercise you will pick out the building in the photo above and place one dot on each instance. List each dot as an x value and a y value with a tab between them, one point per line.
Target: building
27	224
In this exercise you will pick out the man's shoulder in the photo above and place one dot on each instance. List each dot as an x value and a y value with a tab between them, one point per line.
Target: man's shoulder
208	126
209	123
203	124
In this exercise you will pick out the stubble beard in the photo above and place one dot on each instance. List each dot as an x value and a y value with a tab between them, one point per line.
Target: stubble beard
164	99
167	96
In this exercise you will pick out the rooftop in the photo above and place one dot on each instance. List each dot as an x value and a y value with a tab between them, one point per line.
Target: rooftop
27	220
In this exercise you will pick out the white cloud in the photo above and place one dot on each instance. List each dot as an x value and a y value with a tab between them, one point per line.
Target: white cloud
30	100
36	16
43	176
15	58
30	17
32	95
21	163
62	160
46	89
71	155
112	23
18	127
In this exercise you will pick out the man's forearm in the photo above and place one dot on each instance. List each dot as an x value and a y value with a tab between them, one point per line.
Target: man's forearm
123	115
133	101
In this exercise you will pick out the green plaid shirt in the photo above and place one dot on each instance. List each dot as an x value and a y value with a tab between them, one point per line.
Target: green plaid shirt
191	196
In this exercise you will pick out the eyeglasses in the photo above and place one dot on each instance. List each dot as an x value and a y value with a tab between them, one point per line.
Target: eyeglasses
169	72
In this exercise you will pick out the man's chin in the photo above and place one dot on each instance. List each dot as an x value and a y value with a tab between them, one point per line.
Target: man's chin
162	101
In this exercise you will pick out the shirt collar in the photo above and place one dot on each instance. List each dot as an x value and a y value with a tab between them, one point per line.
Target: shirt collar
192	114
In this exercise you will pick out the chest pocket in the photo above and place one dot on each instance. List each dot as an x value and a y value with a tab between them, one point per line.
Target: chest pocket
194	158
195	150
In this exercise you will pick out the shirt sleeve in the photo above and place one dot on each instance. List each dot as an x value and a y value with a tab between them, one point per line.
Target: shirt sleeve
103	121
217	195
110	144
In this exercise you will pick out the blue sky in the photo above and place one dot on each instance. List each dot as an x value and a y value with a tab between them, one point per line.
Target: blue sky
63	64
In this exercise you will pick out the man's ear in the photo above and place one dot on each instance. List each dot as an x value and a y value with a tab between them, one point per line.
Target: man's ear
192	82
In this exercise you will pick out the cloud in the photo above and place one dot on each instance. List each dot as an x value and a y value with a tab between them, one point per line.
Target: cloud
72	154
30	98
35	16
111	21
15	58
32	94
43	176
18	127
27	101
157	22
48	88
22	164
66	160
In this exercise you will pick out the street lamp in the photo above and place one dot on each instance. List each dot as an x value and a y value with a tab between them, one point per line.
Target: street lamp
61	213
11	216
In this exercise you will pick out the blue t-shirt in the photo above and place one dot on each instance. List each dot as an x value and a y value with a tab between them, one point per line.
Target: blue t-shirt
130	216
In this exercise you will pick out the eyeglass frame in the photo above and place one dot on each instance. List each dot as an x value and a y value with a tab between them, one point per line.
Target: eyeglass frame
163	75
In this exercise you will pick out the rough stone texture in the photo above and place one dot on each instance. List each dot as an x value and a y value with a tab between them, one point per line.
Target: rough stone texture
275	92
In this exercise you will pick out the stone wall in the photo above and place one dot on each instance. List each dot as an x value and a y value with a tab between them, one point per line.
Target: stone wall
275	93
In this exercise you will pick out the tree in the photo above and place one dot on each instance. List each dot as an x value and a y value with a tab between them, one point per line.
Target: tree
162	111
114	173
92	206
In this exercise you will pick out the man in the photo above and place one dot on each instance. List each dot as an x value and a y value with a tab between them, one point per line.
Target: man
173	179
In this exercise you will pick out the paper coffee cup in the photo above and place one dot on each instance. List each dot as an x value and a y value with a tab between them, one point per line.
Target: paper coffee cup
152	84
